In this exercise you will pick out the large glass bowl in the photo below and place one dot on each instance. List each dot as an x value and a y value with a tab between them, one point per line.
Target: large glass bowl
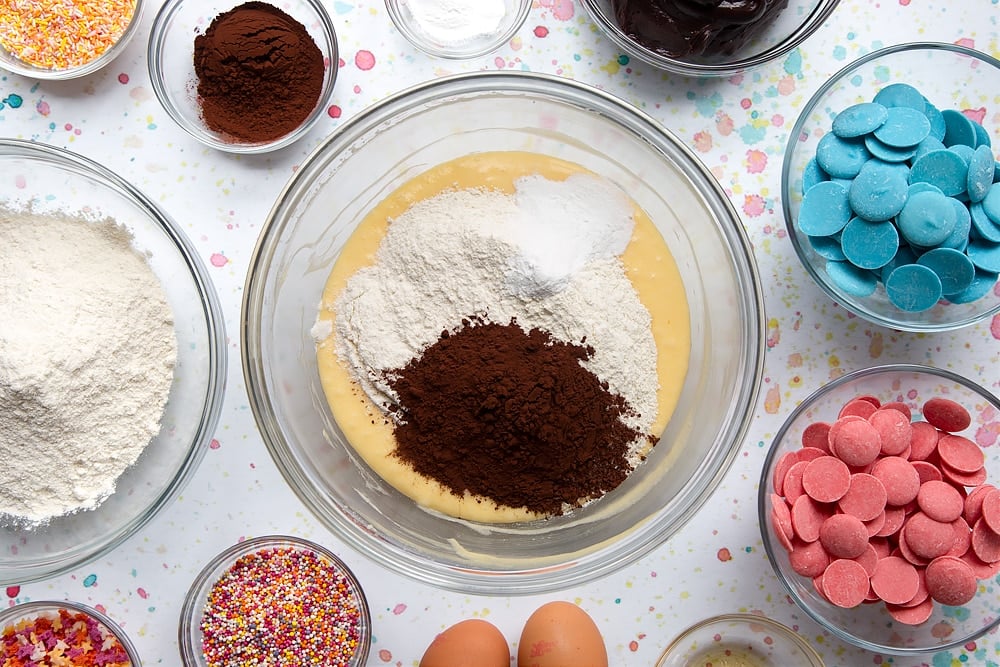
870	626
391	143
52	179
951	77
789	29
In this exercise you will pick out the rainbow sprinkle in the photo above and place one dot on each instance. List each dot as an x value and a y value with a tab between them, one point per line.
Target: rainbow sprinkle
281	606
59	34
66	639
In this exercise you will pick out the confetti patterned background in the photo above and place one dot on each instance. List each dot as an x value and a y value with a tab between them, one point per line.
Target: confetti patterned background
738	126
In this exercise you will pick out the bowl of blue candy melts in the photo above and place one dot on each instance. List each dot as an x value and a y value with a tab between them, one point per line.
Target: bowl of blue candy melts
891	187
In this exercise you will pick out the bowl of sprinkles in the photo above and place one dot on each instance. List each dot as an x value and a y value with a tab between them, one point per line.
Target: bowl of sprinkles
275	600
889	187
53	39
67	634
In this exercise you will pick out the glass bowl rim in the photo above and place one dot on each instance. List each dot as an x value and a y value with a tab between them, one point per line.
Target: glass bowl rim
204	580
82	166
764	485
785	187
459	52
154	48
26	609
98	63
813	22
545	577
743	618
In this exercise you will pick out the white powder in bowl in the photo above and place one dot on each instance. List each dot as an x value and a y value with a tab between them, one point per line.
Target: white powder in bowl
87	351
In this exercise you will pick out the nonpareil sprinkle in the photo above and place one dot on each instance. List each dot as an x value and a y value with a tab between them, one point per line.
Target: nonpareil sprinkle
281	606
59	34
68	638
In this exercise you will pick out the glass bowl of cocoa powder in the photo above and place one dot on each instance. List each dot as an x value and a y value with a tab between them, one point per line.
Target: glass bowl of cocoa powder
475	399
243	77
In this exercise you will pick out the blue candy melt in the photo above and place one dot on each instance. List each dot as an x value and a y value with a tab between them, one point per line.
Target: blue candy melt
859	119
958	129
980	176
878	191
904	127
926	220
991	204
913	288
942	168
869	245
953	268
984	255
812	174
825	209
851	279
888	153
900	95
841	158
936	120
980	287
827	247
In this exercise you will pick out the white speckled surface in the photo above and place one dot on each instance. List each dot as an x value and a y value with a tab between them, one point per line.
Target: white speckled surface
738	127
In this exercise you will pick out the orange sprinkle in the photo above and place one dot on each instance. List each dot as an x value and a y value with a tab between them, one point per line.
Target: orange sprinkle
59	34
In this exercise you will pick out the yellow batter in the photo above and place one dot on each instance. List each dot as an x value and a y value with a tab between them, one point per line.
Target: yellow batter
648	263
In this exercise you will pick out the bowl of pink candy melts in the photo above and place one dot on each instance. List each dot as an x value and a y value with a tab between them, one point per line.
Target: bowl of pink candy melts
879	505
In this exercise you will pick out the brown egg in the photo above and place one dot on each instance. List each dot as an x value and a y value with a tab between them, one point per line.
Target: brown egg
470	643
561	634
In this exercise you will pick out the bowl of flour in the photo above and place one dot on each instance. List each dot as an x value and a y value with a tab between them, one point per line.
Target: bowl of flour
519	357
111	362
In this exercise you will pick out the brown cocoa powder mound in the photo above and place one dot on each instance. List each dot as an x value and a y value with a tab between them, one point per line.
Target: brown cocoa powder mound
259	73
512	416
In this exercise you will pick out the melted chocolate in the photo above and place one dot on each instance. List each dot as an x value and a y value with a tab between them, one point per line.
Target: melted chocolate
682	28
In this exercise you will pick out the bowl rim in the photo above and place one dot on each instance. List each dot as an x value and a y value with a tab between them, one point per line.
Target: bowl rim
834	294
459	52
764	486
813	22
16	66
215	344
744	618
154	48
545	577
23	609
209	574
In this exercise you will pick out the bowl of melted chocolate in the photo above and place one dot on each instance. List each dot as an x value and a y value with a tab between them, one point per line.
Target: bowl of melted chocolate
708	37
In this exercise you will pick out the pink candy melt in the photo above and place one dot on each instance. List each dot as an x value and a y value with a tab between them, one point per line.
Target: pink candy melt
876	508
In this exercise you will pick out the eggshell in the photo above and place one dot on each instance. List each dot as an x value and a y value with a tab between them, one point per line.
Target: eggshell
470	643
561	634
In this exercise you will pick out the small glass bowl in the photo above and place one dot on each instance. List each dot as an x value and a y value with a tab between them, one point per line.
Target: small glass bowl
171	66
190	634
792	26
52	180
869	626
10	62
27	612
437	41
415	130
739	639
949	76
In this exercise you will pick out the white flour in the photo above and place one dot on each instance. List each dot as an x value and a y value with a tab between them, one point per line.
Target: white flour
87	351
457	21
547	256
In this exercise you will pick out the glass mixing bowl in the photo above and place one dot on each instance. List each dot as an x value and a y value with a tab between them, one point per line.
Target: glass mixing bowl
52	179
792	26
389	144
951	77
870	626
739	639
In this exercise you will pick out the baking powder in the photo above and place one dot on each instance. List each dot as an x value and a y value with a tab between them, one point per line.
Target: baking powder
87	350
457	21
547	256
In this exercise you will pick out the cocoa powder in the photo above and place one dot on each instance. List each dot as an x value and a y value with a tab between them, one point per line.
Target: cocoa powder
259	73
513	416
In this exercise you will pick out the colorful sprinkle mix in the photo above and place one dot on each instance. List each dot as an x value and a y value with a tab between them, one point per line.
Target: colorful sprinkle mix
64	639
281	606
59	34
